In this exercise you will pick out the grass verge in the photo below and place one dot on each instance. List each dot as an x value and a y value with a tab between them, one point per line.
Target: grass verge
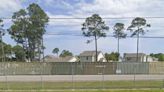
81	85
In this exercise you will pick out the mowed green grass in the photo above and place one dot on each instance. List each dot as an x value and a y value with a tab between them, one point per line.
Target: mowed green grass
115	91
150	90
120	91
81	85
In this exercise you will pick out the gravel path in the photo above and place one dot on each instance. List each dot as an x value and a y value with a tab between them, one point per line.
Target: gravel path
69	78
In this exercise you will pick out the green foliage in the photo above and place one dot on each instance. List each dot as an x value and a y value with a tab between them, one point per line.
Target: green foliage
118	30
55	51
2	33
1	25
112	56
28	29
160	56
18	30
8	49
94	26
5	51
137	26
65	53
19	53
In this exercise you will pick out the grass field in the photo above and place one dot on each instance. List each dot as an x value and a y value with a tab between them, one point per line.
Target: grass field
122	91
148	90
80	85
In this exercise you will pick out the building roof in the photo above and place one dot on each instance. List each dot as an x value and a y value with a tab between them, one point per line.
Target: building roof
51	58
89	53
133	54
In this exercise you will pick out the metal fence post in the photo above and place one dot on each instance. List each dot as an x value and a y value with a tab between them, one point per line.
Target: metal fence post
103	76
72	70
162	84
7	88
41	74
163	80
134	80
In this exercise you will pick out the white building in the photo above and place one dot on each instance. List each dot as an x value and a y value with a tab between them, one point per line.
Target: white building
90	56
132	57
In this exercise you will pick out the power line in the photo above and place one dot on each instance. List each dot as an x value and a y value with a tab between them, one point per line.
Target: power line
63	34
66	18
157	37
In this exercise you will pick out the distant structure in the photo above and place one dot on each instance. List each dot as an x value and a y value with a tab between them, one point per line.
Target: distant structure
90	56
132	57
51	58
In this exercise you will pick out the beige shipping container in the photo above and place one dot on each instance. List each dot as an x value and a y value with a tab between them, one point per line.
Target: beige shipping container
156	68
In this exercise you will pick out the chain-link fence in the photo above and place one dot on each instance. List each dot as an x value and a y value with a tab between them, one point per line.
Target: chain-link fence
80	75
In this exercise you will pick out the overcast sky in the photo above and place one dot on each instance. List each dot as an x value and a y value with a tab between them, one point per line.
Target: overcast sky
85	8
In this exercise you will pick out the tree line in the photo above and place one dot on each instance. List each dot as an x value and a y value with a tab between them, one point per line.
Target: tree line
29	26
9	51
27	31
64	53
94	26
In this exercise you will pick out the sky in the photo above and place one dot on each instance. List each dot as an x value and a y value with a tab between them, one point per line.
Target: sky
84	9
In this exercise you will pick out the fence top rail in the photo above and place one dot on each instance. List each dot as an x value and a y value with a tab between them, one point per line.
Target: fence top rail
82	62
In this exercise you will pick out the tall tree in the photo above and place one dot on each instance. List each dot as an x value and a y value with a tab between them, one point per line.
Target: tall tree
38	21
137	28
55	51
65	53
2	33
19	29
94	26
28	29
119	33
